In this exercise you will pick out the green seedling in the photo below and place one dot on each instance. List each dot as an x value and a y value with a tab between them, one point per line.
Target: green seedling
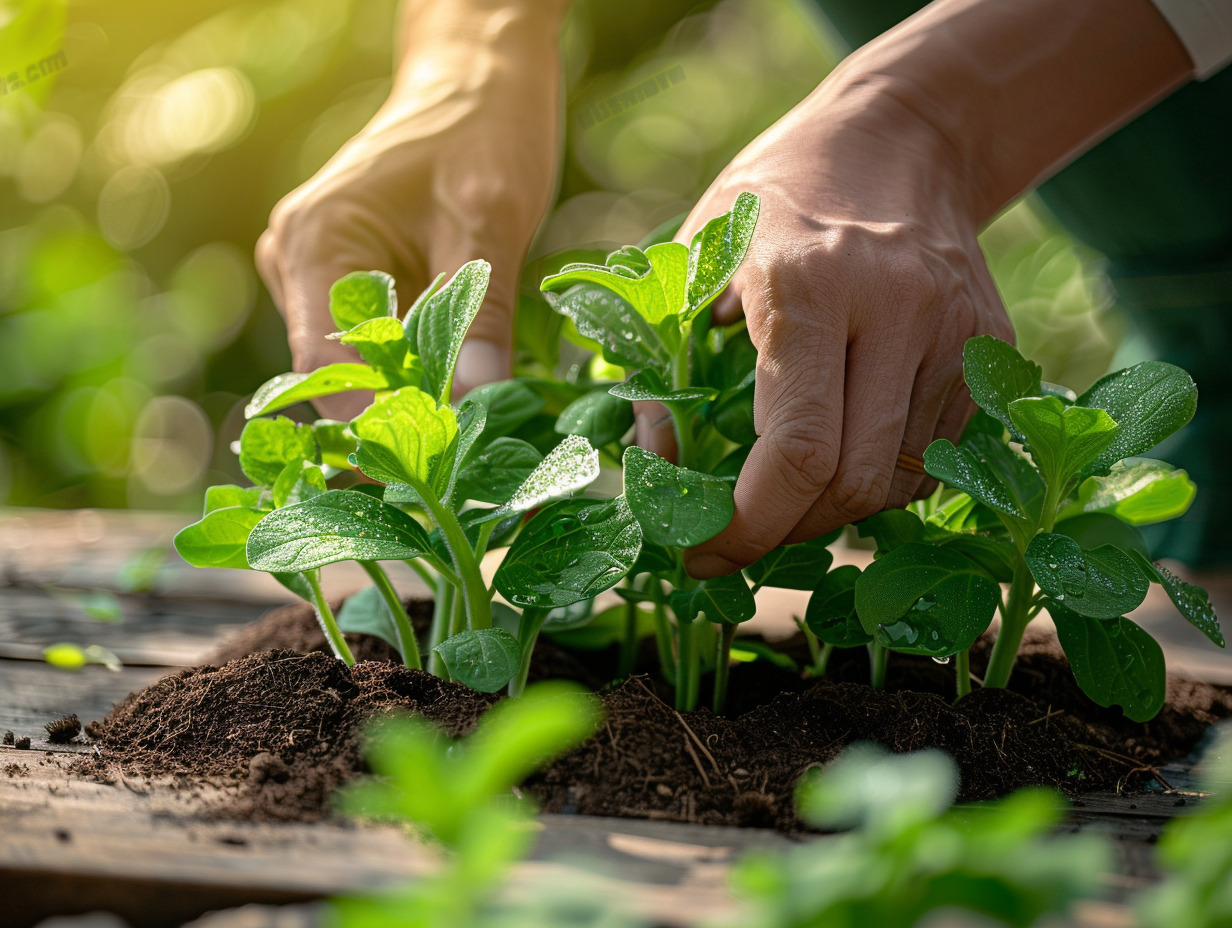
454	483
908	854
646	311
459	795
1046	491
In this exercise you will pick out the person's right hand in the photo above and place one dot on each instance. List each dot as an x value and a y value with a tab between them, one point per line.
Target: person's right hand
459	163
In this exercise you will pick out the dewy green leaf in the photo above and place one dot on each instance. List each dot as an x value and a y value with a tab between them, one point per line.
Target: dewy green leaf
964	469
484	659
793	567
1093	529
1139	491
831	613
267	446
298	481
1065	442
1114	661
722	600
383	343
1191	601
497	471
920	599
1149	402
1101	583
472	419
599	415
656	293
675	506
336	442
625	338
891	529
365	613
996	555
570	466
443	321
340	525
997	375
288	389
411	322
407	437
218	540
509	404
360	296
228	496
570	551
717	250
648	386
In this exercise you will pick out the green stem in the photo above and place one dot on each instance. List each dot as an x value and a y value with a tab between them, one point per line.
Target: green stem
722	666
528	634
663	640
878	658
628	642
457	621
329	624
474	590
442	612
822	662
423	571
1013	625
402	624
686	667
962	671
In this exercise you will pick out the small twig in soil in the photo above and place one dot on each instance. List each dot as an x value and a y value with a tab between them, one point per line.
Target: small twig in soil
697	761
1135	765
1046	716
698	741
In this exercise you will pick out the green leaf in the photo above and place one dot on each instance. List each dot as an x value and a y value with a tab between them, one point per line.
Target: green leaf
443	321
410	323
497	471
365	613
570	466
891	529
298	481
1093	529
961	514
484	659
599	415
649	386
575	615
625	338
335	442
218	540
717	250
407	437
997	375
1114	661
675	506
288	389
722	600
1065	442
472	421
572	550
1139	491
1191	601
732	416
1148	401
360	296
653	283
920	599
1101	583
509	404
996	555
383	344
340	525
831	613
967	468
229	496
793	567
267	446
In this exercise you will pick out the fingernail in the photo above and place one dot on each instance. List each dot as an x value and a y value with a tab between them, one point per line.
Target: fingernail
708	566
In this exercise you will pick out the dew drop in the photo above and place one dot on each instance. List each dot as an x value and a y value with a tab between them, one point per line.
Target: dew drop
941	660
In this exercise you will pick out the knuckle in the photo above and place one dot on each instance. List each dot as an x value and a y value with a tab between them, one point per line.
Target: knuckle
806	460
859	491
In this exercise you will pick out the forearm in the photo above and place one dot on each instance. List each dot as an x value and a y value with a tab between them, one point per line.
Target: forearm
1003	94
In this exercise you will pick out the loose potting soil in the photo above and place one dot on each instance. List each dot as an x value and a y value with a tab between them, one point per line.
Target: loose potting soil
282	729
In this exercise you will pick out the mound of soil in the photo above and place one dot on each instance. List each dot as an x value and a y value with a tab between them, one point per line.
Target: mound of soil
282	729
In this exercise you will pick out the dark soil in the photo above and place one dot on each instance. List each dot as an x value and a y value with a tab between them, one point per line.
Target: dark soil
281	729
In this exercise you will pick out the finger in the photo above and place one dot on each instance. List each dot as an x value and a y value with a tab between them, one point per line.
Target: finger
726	308
266	257
654	430
798	407
936	385
880	374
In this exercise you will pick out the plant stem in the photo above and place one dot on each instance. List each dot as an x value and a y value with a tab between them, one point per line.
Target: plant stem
1013	625
722	666
663	640
962	670
680	381
818	653
878	658
628	642
422	571
442	613
819	666
686	667
397	612
528	634
329	624
457	621
474	590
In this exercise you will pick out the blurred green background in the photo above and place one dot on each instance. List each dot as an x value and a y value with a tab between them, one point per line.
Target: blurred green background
137	173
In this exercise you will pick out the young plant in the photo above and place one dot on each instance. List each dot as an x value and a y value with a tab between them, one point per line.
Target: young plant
647	312
435	463
909	854
1047	490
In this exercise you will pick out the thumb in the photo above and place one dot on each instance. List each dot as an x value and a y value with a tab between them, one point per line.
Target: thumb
480	361
654	430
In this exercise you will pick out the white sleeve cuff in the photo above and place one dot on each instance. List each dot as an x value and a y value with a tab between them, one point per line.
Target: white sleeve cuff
1204	28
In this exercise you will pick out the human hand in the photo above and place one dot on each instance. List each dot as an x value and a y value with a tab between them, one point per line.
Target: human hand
459	163
861	285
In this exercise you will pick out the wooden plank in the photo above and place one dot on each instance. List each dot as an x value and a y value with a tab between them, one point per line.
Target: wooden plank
32	694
